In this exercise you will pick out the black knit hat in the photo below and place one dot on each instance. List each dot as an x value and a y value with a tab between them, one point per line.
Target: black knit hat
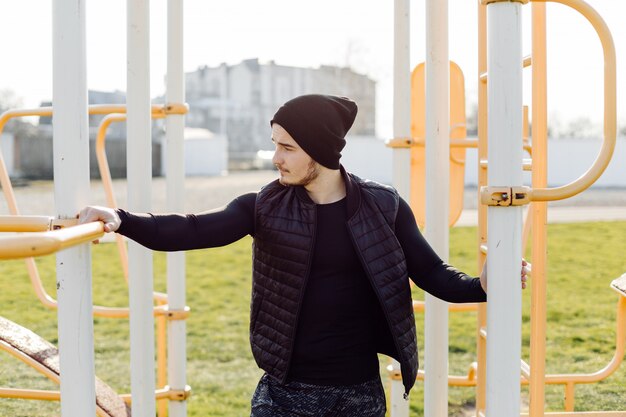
318	123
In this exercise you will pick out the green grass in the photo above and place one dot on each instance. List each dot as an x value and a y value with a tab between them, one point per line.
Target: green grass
584	258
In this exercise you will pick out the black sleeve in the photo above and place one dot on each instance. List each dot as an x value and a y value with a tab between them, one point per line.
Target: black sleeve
427	270
175	232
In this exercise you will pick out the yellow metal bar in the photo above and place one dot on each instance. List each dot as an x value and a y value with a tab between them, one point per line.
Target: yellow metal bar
527	164
164	393
419	306
99	109
411	142
527	61
15	223
34	394
176	108
569	396
30	394
38	366
610	118
107	183
45	243
399	143
161	323
614	363
454	380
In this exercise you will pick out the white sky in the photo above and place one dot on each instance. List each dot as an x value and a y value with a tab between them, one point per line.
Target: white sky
358	33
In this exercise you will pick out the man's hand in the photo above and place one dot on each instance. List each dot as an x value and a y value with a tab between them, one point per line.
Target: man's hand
523	275
106	215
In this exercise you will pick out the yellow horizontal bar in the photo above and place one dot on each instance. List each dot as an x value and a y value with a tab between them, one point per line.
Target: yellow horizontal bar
527	61
399	143
30	394
170	314
44	243
454	380
170	108
419	306
165	393
394	373
411	142
527	164
12	223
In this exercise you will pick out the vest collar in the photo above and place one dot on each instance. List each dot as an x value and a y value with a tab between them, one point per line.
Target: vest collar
353	196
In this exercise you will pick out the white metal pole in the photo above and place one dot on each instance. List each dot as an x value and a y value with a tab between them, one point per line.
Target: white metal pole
401	157
175	184
139	171
437	201
504	64
71	189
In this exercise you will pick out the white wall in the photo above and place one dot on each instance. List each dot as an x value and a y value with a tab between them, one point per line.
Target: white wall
7	141
368	157
205	153
568	159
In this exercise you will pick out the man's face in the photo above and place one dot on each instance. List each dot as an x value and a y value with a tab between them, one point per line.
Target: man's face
295	166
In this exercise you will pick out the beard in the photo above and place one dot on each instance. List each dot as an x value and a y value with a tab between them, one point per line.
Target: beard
313	171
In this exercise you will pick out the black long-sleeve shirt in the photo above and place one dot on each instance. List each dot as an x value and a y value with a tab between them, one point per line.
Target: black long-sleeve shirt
335	338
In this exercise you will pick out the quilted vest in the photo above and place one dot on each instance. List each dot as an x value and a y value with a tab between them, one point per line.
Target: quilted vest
282	251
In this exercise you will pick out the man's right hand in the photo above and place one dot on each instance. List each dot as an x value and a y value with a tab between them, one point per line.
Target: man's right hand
106	215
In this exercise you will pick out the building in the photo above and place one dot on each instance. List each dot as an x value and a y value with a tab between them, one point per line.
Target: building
238	101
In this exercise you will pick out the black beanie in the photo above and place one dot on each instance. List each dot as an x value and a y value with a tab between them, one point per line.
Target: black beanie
318	123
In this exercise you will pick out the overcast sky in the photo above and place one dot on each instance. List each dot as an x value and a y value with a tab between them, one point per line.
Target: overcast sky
358	33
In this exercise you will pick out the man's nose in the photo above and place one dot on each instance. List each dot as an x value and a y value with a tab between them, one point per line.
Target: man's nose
276	159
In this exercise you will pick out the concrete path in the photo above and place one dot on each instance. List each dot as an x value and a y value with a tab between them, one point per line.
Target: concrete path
204	193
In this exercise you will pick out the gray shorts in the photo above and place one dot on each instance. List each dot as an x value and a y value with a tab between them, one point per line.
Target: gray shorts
297	399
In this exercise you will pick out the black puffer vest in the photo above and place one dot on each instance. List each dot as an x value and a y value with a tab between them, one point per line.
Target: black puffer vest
283	248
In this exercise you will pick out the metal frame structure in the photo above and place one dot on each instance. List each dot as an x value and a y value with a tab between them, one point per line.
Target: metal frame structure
499	370
501	126
71	191
164	311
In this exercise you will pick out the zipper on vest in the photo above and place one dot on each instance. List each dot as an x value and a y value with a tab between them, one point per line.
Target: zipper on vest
306	279
380	301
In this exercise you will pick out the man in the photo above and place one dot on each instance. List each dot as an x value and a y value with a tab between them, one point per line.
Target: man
331	258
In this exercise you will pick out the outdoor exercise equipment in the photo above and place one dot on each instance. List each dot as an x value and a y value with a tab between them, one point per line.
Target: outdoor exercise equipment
71	189
17	223
499	370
